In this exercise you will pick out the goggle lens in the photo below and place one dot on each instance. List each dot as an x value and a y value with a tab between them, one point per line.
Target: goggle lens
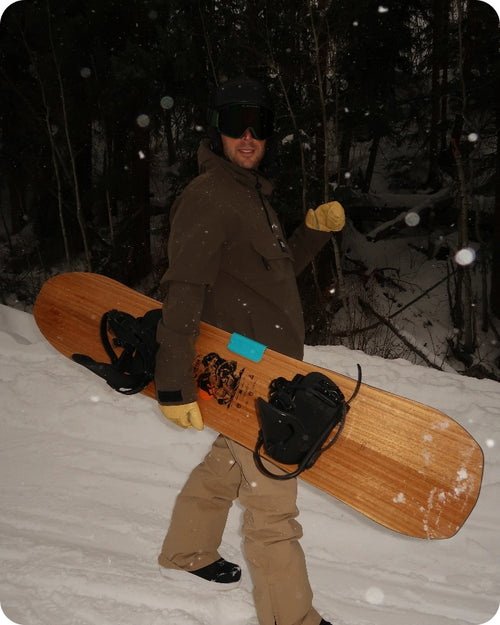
235	119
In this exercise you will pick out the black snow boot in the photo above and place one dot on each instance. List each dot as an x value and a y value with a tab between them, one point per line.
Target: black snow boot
221	571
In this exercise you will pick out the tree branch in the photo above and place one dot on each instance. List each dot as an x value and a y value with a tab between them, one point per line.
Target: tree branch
402	338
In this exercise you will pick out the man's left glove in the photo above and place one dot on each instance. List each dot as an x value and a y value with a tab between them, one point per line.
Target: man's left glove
328	217
185	415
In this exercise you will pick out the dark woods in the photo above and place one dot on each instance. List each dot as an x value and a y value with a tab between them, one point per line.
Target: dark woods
103	107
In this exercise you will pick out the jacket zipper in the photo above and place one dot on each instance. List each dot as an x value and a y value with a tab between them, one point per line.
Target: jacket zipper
272	226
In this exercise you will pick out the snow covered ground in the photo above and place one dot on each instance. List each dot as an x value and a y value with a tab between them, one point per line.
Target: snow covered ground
89	477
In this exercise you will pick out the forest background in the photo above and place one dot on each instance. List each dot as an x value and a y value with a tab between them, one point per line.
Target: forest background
103	105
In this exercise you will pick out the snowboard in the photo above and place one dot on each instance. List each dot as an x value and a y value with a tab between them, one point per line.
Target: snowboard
404	465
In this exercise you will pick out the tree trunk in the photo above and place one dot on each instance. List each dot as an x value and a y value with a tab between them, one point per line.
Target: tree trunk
434	173
445	61
345	152
495	242
371	163
172	154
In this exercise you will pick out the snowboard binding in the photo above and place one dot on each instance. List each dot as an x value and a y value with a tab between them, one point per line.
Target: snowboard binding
130	343
298	420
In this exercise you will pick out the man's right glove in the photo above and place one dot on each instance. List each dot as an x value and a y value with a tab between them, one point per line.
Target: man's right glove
185	415
328	217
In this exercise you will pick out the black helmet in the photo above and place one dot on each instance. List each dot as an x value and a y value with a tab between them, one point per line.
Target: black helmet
242	91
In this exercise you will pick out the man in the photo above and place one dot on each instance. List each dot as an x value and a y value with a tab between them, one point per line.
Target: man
230	265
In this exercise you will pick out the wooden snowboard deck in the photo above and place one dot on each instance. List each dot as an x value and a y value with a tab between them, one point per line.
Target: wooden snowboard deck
404	465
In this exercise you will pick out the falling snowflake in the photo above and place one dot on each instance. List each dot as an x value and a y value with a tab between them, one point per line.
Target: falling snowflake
465	256
143	120
412	219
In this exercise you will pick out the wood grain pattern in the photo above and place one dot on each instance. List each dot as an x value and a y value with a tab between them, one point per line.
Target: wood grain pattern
406	466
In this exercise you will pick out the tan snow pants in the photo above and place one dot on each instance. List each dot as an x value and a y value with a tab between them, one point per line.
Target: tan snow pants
282	592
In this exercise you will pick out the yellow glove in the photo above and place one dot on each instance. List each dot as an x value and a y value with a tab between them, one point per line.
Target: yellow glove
185	415
328	217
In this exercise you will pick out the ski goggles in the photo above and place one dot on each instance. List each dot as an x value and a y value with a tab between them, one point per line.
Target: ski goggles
234	120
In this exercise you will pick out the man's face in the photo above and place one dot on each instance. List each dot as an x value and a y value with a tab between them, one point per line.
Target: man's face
246	151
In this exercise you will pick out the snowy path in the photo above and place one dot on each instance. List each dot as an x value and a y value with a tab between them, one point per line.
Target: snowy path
89	478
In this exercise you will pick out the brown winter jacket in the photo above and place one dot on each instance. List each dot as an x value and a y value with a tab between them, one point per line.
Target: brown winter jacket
229	265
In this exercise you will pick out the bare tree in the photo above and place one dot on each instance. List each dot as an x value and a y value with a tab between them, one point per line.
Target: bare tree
47	121
495	241
463	307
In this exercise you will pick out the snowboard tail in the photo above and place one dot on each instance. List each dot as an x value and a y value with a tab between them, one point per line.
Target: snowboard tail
404	465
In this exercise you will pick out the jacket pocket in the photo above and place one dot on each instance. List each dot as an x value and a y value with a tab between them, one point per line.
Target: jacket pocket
274	254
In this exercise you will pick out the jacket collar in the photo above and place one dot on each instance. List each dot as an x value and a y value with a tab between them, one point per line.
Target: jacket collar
208	161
